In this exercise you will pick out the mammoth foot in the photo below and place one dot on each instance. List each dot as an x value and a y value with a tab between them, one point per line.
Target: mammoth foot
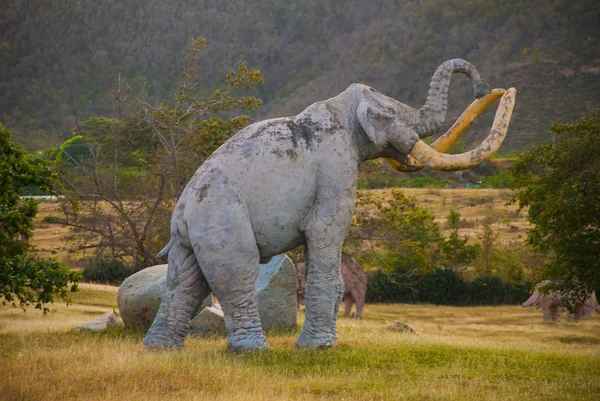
325	340
156	343
247	340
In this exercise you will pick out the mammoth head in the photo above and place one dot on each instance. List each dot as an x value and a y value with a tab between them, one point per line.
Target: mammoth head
389	122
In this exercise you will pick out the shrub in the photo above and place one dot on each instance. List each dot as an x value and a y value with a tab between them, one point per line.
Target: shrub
487	291
103	269
383	287
443	287
379	181
502	179
423	182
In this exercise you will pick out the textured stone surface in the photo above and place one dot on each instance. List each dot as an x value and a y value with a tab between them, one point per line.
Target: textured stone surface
101	323
276	293
209	322
139	296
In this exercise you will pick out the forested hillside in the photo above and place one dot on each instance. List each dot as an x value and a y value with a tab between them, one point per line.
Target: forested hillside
58	59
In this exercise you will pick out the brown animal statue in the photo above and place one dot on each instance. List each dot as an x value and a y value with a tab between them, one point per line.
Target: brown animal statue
355	285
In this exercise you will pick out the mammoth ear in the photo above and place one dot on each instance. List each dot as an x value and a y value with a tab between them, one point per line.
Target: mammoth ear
374	120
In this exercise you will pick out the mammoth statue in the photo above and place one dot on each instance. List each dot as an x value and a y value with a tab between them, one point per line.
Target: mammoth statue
354	280
552	304
292	181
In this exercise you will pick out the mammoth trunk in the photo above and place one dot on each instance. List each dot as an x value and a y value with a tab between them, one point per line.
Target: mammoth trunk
434	110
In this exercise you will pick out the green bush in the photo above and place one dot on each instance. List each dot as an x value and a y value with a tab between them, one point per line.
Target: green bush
423	182
379	181
443	287
486	291
103	269
383	287
501	179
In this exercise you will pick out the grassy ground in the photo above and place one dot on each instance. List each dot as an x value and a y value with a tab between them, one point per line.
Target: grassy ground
483	353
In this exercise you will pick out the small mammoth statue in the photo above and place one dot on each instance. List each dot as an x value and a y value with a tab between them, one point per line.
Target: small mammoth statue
285	182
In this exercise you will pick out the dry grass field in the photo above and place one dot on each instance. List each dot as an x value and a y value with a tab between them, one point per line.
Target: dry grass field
473	205
476	353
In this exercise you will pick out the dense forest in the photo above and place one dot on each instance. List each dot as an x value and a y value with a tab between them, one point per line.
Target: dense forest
58	59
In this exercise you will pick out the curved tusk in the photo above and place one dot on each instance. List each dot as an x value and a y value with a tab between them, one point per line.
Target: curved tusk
450	137
443	161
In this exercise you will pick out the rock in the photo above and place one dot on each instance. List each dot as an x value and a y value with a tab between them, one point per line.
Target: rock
403	328
276	294
101	323
209	322
139	296
209	301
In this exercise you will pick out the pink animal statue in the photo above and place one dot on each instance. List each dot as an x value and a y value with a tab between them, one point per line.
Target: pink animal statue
552	305
355	286
300	284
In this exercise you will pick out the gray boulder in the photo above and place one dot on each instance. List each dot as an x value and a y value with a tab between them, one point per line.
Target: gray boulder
101	323
210	322
276	293
140	294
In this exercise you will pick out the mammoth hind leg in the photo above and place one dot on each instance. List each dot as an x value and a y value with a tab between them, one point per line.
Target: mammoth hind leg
185	290
226	249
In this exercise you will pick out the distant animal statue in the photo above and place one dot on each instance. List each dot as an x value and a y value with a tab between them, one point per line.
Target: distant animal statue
355	287
553	304
300	284
285	182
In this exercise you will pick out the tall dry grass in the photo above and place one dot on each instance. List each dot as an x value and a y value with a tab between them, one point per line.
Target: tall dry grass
482	353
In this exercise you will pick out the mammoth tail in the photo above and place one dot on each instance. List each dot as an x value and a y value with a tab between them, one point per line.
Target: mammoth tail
167	248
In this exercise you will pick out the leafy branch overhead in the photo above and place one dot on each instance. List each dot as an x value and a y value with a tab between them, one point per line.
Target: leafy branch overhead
122	175
24	278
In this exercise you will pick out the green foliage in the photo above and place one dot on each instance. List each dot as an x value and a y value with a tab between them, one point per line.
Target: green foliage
25	279
443	287
455	249
423	182
391	287
559	183
76	151
102	268
379	181
494	291
501	179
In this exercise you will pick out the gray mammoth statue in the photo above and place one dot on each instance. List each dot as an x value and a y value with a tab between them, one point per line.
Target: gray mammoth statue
292	181
354	280
552	304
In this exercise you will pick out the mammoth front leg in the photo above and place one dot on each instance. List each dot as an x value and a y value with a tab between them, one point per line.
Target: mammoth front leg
322	297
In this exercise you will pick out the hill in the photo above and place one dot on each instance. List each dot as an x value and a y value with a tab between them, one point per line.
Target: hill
58	59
